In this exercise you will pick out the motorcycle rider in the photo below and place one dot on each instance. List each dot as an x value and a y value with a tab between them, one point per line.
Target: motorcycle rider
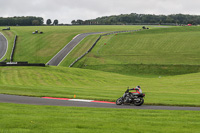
128	97
138	90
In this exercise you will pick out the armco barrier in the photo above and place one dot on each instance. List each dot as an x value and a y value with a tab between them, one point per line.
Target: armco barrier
13	49
21	64
97	41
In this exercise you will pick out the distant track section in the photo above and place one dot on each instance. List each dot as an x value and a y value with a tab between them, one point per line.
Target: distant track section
59	57
3	45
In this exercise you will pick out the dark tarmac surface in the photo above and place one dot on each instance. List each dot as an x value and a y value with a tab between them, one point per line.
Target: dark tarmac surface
3	46
57	59
53	102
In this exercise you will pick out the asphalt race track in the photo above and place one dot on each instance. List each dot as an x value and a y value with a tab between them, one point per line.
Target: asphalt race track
3	46
57	59
54	102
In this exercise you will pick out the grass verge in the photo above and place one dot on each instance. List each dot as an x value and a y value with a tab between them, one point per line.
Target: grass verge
53	119
79	50
145	70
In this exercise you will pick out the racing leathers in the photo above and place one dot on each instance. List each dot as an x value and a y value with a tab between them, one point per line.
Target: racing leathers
138	90
126	94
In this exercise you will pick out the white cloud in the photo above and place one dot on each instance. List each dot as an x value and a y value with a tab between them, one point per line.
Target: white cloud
67	10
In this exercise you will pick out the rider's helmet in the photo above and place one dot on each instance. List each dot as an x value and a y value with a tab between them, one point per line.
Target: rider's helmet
139	89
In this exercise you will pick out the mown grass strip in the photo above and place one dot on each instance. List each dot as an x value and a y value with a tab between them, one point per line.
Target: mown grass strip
145	70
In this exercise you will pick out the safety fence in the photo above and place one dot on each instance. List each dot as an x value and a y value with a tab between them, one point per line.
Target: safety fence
115	32
21	64
13	49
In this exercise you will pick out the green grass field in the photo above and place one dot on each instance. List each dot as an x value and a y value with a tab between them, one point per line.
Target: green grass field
163	61
90	84
163	83
52	119
168	51
40	48
125	58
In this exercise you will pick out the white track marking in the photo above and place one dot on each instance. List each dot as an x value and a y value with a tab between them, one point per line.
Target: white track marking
81	100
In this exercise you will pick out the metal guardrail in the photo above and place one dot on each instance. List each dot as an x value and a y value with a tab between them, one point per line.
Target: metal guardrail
97	41
13	49
21	64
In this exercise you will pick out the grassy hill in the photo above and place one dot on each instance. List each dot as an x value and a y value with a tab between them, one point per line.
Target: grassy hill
164	62
40	48
166	51
91	84
128	59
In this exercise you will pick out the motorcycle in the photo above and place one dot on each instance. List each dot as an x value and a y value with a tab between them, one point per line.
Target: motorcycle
131	98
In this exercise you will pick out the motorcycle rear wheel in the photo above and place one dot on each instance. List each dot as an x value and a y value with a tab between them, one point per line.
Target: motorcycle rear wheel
119	101
140	102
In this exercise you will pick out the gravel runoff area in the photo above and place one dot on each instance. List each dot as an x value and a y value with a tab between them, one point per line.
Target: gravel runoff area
83	103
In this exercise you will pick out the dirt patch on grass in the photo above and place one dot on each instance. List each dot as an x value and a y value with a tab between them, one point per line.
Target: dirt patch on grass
8	33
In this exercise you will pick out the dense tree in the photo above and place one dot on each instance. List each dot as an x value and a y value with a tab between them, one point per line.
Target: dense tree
35	22
134	18
55	22
23	21
79	21
48	21
73	22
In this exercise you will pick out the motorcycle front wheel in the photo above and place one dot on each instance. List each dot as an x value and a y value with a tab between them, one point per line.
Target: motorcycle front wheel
139	102
119	101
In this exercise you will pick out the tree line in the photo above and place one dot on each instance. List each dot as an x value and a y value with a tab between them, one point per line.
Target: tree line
134	18
25	21
21	21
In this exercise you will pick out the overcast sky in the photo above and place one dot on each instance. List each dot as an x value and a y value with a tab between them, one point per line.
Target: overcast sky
67	10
